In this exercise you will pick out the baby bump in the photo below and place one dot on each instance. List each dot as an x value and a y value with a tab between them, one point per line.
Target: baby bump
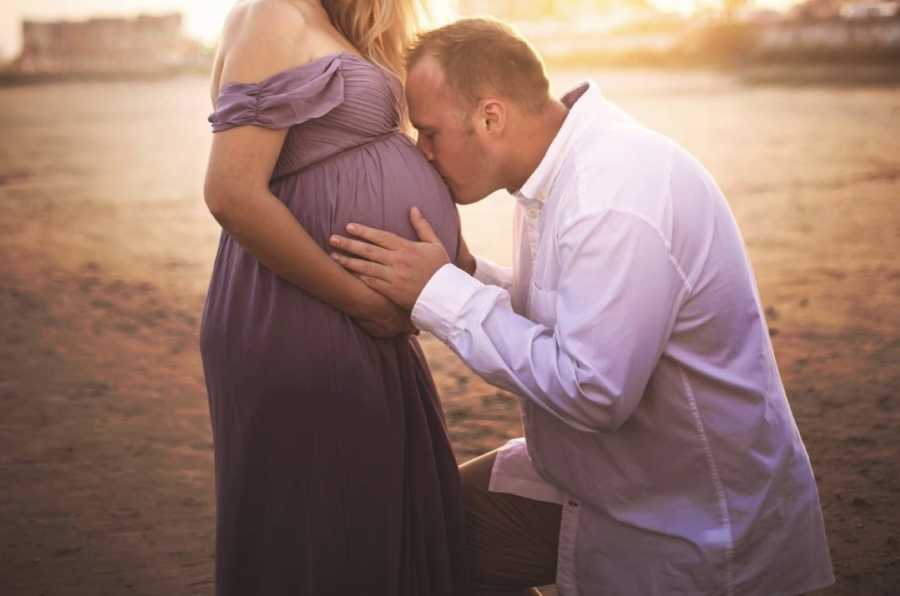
374	185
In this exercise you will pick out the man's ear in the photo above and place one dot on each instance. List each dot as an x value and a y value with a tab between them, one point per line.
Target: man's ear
492	115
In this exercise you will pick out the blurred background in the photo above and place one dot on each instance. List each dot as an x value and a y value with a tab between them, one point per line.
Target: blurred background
106	248
102	36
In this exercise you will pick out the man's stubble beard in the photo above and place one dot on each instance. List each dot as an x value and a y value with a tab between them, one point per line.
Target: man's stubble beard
480	172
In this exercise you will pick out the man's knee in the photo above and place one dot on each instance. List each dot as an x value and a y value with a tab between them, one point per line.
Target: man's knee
511	540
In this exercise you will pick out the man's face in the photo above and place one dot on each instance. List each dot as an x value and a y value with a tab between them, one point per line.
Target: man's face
447	135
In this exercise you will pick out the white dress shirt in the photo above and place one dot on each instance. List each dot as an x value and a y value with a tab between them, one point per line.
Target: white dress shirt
631	327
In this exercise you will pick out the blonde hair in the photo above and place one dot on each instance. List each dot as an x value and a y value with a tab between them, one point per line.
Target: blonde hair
381	30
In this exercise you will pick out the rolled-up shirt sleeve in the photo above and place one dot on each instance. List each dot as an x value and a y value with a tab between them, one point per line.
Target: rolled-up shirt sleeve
615	304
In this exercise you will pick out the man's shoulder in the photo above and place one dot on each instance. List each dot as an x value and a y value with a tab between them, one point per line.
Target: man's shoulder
628	168
612	159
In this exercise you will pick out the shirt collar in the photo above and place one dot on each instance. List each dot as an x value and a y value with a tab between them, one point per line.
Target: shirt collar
580	102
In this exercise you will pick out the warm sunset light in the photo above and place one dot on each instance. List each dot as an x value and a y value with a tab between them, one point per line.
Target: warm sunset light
203	19
687	7
647	343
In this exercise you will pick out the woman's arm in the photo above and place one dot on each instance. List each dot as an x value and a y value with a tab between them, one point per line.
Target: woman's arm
264	41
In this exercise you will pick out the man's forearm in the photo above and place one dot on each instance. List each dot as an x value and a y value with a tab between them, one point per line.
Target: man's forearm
509	351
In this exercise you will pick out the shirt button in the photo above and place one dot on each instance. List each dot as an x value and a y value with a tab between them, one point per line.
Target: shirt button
533	212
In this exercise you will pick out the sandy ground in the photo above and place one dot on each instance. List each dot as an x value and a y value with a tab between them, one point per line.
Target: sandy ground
106	248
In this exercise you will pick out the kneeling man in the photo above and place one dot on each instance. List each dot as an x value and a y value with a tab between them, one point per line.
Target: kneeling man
660	454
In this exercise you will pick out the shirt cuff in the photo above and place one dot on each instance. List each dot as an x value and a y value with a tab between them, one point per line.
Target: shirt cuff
442	299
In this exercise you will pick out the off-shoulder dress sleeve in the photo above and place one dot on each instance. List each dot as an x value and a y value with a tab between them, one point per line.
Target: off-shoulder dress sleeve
283	100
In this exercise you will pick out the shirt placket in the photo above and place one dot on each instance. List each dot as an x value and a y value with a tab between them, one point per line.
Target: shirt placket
532	229
531	210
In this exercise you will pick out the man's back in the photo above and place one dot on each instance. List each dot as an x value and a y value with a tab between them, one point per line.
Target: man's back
676	442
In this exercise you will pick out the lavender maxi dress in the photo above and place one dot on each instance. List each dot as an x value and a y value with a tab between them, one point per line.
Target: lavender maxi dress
334	474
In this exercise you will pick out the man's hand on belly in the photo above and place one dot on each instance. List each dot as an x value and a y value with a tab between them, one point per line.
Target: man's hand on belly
392	265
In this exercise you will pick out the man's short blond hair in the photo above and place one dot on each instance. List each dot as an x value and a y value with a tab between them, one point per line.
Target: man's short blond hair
480	56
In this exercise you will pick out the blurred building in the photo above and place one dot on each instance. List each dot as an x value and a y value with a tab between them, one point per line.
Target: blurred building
817	9
99	45
847	9
866	9
839	29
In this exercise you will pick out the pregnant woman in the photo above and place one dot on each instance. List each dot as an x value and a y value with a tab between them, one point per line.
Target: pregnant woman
334	474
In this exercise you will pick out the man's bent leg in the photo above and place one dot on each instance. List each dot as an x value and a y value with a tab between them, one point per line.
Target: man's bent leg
512	540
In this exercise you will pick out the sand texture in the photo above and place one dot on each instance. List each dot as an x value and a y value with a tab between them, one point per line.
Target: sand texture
106	249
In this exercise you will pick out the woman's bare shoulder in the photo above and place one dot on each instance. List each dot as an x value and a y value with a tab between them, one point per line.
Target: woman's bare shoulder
274	14
261	38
